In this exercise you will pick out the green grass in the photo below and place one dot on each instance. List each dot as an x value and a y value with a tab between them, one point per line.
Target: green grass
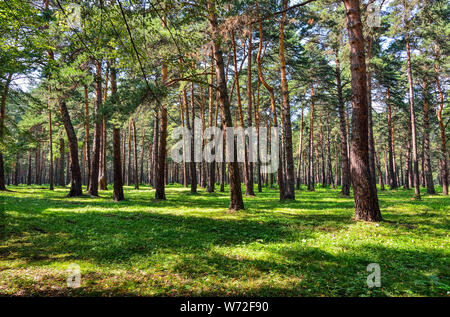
191	245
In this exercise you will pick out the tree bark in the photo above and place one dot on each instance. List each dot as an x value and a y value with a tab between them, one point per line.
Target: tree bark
236	201
87	147
444	166
280	177
155	148
391	176
426	143
50	145
311	179
117	164
61	181
160	193
211	165
192	165
135	158
328	157
141	167
93	182
103	182
412	122
2	129
29	169
370	124
345	166
248	190
75	188
290	178
366	200
300	150
129	165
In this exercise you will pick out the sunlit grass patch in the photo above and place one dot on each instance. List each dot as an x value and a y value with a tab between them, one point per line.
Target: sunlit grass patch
193	245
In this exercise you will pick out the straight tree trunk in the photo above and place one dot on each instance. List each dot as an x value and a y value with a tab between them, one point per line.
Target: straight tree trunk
50	138
300	149
37	178
29	169
87	139
311	180
366	200
345	166
68	170
236	201
322	158
370	124
258	122
123	154
129	167
378	164
328	157
426	143
337	179
61	181
444	166
290	178
211	165
192	165
249	188
117	164
16	170
183	103
407	161
135	158
280	177
160	193
203	167
2	129
155	148
93	182
412	122
391	176
141	172
103	182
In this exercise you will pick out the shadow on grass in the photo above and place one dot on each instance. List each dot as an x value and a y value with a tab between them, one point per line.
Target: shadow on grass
139	233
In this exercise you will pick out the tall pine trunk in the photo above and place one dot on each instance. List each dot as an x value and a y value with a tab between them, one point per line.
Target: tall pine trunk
2	129
192	165
300	150
93	182
345	166
211	165
50	145
280	177
249	190
391	176
135	157
75	187
61	181
236	201
117	164
286	110
160	193
444	166
366	200
311	178
426	143
412	122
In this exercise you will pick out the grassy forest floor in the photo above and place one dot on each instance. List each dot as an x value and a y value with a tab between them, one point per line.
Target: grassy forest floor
191	245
